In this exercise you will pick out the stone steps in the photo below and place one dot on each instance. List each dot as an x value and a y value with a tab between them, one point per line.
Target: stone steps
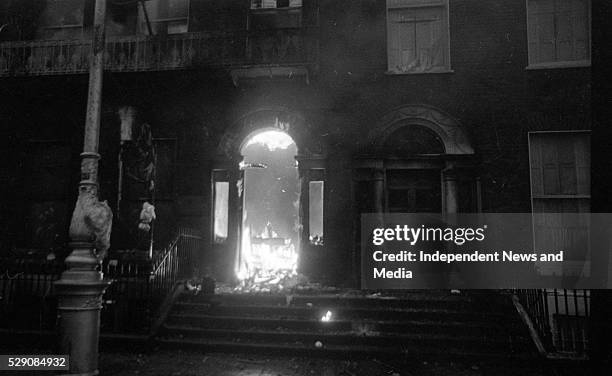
467	342
419	323
337	351
409	326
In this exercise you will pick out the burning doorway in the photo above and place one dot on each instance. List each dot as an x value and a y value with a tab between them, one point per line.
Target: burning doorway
270	210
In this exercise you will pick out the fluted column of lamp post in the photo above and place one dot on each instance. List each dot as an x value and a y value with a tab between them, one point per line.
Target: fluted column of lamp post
81	286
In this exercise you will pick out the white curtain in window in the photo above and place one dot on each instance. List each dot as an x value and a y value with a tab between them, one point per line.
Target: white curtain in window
417	39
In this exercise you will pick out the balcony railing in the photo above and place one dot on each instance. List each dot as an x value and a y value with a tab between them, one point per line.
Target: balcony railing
294	46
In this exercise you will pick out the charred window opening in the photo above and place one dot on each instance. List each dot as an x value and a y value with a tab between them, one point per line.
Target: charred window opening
316	196
221	211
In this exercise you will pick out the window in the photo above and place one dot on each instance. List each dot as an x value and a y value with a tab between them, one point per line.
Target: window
59	14
257	4
315	211
560	183
560	171
275	14
221	211
165	16
417	36
558	33
62	19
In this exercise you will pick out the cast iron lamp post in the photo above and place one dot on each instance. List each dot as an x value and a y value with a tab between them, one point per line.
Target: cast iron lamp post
81	286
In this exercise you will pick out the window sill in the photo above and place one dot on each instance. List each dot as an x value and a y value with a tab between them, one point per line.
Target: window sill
559	65
437	71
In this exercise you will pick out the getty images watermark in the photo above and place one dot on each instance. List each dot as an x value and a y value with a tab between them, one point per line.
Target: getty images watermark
485	250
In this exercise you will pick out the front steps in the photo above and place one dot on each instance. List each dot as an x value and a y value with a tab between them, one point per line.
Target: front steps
422	324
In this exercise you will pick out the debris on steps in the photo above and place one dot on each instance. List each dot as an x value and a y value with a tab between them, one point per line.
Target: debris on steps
351	324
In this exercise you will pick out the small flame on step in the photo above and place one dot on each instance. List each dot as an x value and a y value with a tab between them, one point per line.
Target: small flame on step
326	317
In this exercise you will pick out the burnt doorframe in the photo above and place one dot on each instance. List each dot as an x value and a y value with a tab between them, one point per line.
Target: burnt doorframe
311	167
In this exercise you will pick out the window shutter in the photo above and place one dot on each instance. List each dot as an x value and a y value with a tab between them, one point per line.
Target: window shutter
567	166
535	154
550	167
393	28
565	33
560	164
546	37
541	30
558	30
583	164
580	24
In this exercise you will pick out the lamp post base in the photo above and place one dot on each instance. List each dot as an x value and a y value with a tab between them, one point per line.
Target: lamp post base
79	294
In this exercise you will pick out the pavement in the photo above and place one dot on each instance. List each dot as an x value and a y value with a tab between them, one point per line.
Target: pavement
180	363
131	360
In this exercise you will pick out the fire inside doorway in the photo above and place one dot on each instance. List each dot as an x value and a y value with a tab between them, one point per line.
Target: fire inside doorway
270	221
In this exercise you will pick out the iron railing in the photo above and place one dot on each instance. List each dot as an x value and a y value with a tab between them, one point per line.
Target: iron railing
560	318
138	53
137	292
27	299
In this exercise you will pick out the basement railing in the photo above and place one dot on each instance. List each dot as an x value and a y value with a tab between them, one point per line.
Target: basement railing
286	47
27	299
559	317
133	299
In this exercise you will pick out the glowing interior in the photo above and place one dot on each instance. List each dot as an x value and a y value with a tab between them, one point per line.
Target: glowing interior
269	223
272	139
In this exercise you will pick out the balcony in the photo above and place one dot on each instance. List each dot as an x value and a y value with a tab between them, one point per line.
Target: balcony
288	47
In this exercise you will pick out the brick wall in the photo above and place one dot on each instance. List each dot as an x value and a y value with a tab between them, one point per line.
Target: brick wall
496	100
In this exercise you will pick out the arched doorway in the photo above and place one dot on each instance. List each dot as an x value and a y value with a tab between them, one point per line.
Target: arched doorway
270	207
416	159
234	176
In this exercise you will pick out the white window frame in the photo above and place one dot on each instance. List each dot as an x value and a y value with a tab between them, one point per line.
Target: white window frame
558	64
544	196
420	4
547	268
290	6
